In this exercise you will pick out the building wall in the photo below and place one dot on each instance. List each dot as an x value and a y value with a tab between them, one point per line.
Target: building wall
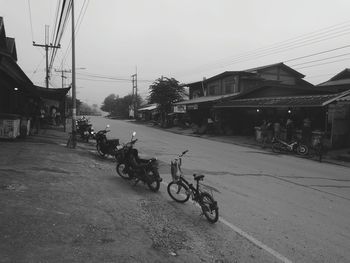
278	74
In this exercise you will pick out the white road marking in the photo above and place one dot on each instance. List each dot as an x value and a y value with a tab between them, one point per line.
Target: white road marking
249	237
255	241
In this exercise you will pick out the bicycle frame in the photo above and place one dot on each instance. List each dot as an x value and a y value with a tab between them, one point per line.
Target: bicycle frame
194	190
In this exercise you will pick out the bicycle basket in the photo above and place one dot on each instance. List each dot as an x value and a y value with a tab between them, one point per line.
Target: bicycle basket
175	170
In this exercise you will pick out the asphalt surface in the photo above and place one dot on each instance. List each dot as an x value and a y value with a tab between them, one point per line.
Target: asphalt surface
296	207
68	205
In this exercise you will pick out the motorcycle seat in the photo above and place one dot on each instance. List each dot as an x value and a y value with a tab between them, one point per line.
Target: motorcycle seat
114	141
198	177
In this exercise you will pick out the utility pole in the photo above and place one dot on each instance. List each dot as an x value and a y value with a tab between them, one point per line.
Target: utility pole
134	93
72	142
46	46
62	74
65	100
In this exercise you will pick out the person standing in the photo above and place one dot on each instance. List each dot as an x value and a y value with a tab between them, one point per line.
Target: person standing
264	132
289	129
277	129
306	132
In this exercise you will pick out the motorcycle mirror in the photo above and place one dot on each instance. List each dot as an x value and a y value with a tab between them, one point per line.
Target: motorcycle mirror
185	152
134	134
107	126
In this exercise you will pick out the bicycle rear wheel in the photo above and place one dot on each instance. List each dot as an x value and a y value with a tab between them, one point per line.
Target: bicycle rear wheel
178	191
209	207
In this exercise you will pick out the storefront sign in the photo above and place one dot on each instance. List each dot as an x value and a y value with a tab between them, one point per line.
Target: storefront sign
192	107
180	108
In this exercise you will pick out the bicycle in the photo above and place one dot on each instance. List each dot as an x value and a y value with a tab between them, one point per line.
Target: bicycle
181	190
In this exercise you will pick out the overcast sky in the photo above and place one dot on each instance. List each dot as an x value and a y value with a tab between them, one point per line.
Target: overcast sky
184	39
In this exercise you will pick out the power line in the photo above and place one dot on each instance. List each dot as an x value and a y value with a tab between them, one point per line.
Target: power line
318	53
111	77
61	27
36	69
316	65
303	40
317	60
78	23
30	19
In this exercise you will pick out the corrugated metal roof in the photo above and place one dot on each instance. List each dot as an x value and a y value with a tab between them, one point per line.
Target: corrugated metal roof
346	98
281	102
335	82
149	107
205	99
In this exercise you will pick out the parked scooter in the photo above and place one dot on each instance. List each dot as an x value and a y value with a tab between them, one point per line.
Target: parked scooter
105	146
85	129
131	166
279	145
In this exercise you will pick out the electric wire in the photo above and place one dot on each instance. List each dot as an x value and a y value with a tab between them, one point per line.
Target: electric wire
60	29
322	59
327	33
37	67
318	53
30	20
77	27
316	65
56	20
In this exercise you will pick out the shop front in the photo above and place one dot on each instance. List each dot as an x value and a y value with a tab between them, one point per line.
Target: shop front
327	114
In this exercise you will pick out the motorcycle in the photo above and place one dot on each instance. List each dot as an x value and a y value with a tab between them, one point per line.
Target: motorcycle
105	146
131	166
85	129
279	145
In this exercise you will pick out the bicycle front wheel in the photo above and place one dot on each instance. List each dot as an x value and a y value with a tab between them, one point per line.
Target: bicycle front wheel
178	191
209	207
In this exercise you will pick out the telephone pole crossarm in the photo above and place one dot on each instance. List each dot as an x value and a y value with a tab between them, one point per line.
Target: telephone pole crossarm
46	46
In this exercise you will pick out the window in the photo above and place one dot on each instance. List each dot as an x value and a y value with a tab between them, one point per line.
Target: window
196	94
229	85
212	90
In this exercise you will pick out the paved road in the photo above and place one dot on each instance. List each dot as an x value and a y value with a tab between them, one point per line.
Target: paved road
298	208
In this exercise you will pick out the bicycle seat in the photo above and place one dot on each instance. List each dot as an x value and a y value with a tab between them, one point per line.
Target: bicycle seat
198	177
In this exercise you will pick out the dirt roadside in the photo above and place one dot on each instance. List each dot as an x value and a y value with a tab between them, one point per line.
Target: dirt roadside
64	205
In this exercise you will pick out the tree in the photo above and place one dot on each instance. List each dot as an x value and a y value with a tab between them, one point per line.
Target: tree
165	92
109	103
119	107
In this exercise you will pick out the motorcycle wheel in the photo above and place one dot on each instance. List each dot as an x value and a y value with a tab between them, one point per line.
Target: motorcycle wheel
277	147
209	207
120	170
302	149
98	148
178	191
153	183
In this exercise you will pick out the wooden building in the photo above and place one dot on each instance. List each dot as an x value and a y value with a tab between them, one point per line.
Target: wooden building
232	84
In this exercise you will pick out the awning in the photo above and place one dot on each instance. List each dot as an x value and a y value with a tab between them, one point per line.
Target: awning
148	108
205	99
52	94
284	102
